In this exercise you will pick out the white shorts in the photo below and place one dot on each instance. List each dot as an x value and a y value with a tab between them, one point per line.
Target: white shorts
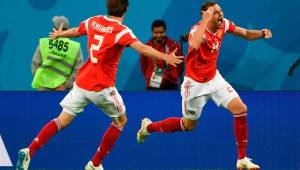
195	95
108	100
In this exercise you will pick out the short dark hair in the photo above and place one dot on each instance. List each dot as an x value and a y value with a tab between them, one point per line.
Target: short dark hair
207	4
117	8
159	23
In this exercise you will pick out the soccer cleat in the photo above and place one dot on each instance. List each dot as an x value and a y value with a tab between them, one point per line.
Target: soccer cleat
90	166
23	159
143	132
246	164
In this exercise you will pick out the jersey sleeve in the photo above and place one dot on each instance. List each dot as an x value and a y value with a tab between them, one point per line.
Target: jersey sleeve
83	27
125	37
229	26
193	30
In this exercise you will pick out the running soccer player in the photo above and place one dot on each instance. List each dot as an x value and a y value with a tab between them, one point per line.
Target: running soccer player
95	82
203	81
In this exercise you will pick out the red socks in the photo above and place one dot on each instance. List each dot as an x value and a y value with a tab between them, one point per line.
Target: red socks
176	124
108	140
172	124
49	130
241	134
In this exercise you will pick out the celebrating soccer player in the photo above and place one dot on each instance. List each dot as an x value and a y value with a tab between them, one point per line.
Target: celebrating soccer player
95	82
203	81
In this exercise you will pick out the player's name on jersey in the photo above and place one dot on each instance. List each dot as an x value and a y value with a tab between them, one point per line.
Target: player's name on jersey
101	28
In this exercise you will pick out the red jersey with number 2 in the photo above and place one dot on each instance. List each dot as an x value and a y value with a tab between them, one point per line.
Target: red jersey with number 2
201	64
106	41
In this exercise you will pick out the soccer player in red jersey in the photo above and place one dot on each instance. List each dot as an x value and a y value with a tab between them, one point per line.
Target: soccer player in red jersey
95	81
203	81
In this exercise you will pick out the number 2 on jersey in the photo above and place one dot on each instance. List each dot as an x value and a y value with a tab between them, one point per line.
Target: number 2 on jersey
96	47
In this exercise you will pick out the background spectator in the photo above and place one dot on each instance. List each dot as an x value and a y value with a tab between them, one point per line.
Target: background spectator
158	74
56	62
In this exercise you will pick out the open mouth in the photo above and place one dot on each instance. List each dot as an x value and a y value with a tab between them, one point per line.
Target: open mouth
220	21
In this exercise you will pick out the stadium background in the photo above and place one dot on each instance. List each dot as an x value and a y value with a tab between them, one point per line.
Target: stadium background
260	65
253	66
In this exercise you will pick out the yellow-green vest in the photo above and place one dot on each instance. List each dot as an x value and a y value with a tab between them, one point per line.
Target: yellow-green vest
58	60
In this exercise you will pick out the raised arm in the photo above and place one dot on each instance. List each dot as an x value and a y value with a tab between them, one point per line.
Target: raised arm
146	50
196	35
252	34
72	32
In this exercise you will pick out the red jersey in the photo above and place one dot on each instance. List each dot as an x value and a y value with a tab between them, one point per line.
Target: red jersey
201	64
171	73
106	41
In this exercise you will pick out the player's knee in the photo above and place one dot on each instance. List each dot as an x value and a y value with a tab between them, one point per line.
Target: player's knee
64	119
244	108
241	109
64	123
124	122
120	121
189	125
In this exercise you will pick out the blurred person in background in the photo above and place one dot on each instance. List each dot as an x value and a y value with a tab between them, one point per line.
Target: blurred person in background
55	62
158	74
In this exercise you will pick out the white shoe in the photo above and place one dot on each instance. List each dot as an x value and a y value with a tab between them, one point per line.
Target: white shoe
90	166
246	163
143	132
23	159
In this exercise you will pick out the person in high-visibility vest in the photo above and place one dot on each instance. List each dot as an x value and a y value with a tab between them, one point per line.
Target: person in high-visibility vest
55	62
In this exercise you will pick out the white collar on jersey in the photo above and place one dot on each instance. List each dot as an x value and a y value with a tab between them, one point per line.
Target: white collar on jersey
114	20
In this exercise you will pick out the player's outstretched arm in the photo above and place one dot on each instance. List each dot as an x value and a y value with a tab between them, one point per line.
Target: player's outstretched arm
72	32
252	34
146	50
